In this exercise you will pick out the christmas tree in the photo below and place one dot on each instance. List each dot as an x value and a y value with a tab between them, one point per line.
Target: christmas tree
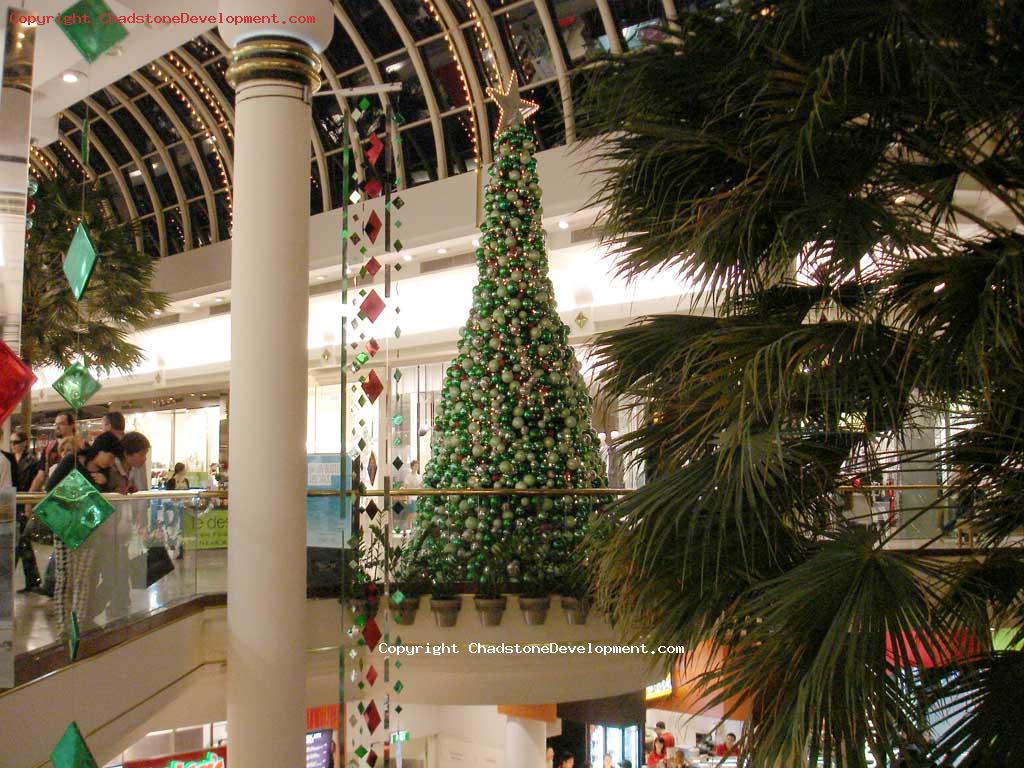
514	411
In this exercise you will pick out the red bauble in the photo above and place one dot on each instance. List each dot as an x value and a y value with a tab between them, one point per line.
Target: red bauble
30	206
16	379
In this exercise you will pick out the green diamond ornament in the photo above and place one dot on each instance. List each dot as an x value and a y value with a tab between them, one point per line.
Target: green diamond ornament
76	385
79	260
71	751
361	752
74	509
398	597
73	637
399	687
94	29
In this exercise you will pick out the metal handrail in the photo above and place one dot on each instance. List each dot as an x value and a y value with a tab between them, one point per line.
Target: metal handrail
35	498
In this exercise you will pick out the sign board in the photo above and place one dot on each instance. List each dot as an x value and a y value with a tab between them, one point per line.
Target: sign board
211	529
325	524
213	757
320	748
656	691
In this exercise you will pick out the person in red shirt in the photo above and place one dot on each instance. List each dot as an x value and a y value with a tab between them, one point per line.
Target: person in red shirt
659	757
729	748
668	738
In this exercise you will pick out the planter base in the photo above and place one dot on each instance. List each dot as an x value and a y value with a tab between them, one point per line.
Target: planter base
446	610
490	610
535	610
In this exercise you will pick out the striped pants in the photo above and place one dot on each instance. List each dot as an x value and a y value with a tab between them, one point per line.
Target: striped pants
73	580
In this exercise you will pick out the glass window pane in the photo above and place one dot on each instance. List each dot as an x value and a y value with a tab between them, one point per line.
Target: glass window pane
156	117
105	100
180	109
223	215
523	33
458	139
150	237
329	122
217	72
109	140
374	25
341	54
582	31
129	86
316	200
417	18
175	232
186	170
447	81
419	154
410	102
135	133
547	121
200	219
162	182
482	56
137	185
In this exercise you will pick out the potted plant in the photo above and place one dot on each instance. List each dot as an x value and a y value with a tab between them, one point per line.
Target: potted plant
535	601
575	598
445	603
409	587
490	603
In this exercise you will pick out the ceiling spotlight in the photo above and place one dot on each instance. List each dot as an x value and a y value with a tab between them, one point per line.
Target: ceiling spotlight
407	257
196	304
321	278
135	173
563	224
218	300
72	76
442	251
158	312
900	199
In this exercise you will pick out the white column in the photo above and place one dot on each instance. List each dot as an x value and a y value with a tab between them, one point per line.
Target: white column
525	743
273	77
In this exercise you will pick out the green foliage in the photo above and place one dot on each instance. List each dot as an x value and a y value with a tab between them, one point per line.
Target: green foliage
56	329
842	183
514	413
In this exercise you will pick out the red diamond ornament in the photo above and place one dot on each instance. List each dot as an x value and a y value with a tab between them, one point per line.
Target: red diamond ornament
371	675
373	347
372	306
372	716
372	226
372	386
376	147
371	633
372	266
371	758
16	379
372	188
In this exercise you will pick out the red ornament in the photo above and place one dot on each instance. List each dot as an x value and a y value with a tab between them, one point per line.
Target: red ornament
16	379
30	206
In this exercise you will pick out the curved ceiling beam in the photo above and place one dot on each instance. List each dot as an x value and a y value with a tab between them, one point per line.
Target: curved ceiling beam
321	164
610	28
198	104
75	153
476	95
493	38
191	146
208	82
371	67
416	57
557	56
115	172
147	170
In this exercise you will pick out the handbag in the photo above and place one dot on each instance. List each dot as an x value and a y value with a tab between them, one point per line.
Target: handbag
149	567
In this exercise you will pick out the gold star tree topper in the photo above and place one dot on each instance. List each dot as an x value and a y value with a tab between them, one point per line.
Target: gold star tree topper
512	110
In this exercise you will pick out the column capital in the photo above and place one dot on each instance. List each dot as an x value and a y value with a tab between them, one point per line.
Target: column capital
274	58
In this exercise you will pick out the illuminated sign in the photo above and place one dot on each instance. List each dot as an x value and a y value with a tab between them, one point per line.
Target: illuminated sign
398	736
212	760
656	691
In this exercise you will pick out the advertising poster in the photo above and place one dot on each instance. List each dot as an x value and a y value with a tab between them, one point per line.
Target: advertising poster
320	749
7	533
325	525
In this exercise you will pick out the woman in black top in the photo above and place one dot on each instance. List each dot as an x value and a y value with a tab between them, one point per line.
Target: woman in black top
73	569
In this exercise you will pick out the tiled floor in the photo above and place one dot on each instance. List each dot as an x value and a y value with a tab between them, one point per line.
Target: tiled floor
35	624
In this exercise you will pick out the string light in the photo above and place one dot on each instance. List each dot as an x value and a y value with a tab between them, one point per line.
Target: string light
472	129
44	161
483	42
207	133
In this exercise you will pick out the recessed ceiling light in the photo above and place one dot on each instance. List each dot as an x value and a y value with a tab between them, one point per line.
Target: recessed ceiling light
72	76
407	256
218	300
158	312
135	173
196	304
900	199
563	224
321	278
442	251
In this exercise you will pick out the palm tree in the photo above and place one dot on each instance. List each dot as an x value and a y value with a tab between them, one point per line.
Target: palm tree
842	182
55	328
